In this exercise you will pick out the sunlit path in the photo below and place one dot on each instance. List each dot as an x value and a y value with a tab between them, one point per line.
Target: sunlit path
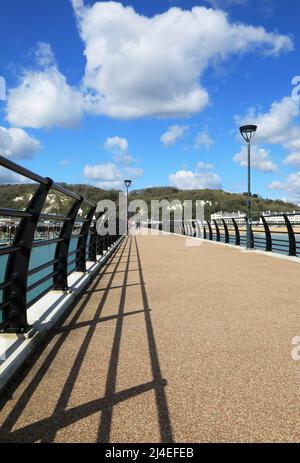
169	343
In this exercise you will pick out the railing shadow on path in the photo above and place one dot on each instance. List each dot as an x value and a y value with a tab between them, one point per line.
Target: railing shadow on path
45	430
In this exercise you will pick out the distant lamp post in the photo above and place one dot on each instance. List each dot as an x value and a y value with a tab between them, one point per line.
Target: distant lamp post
248	132
127	184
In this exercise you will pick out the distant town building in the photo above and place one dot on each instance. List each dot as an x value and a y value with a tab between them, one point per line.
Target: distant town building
238	216
277	217
271	217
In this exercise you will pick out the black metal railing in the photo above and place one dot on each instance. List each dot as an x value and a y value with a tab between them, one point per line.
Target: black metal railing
17	252
272	233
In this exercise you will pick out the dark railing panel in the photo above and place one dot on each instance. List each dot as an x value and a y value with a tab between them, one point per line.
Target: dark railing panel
261	236
62	248
18	263
23	271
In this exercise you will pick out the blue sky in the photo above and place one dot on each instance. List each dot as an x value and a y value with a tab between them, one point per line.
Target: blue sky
97	92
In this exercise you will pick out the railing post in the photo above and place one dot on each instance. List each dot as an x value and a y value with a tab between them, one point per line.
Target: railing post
197	233
100	245
189	228
292	239
268	234
62	248
237	232
107	241
93	245
194	228
182	228
217	230
18	263
172	226
186	228
209	231
107	237
82	242
225	231
204	231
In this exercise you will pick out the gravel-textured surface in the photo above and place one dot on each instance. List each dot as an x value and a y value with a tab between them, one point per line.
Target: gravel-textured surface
170	343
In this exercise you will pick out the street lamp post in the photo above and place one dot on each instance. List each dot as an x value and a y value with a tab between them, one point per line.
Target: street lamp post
127	184
248	132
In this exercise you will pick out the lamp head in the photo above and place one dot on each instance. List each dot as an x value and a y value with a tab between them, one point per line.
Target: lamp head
127	183
248	132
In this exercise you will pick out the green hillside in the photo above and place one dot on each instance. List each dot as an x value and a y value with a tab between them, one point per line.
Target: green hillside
17	197
219	200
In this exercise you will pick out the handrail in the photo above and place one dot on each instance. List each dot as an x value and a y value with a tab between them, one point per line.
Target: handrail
17	284
66	192
4	212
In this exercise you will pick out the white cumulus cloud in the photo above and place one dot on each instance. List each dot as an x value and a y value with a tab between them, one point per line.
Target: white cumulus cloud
275	125
43	97
291	185
278	126
107	171
200	178
116	144
260	159
110	175
172	134
152	66
106	176
16	143
293	159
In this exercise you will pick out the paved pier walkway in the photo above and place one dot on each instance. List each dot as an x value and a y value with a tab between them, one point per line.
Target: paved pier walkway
170	343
